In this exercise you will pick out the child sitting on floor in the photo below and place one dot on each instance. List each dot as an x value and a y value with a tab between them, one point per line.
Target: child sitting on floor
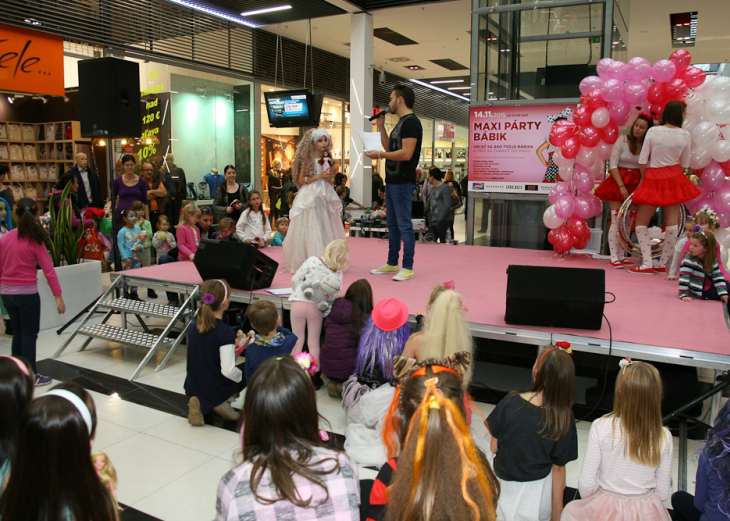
213	380
700	276
226	230
705	220
282	226
271	340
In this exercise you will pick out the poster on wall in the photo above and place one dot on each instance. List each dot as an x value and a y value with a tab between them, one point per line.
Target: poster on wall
508	148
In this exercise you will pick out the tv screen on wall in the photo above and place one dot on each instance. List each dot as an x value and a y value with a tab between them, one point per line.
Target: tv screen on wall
293	108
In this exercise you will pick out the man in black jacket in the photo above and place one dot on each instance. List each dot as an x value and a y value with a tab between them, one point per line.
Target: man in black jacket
89	194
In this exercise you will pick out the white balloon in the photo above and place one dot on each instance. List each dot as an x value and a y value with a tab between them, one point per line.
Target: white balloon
723	237
695	103
598	170
721	151
704	135
718	111
551	220
559	160
725	131
600	117
720	88
566	172
586	157
699	158
706	85
604	150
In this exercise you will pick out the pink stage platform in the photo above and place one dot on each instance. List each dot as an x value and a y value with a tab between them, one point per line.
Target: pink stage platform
649	321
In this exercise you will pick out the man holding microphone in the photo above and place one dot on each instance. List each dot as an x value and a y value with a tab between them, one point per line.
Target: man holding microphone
401	159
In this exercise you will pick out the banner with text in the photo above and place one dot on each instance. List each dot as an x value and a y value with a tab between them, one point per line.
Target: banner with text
508	148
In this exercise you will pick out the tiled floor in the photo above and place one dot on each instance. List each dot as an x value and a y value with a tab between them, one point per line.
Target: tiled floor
167	468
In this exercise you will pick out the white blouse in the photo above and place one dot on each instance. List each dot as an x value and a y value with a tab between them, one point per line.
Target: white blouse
252	225
665	147
621	156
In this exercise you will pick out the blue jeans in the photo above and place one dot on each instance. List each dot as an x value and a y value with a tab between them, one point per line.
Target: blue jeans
166	259
400	224
25	315
438	230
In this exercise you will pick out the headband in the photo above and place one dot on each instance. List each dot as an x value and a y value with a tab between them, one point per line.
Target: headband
317	133
21	365
698	229
76	402
209	298
562	346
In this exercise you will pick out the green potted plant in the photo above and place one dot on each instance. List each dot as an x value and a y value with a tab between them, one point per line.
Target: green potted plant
63	243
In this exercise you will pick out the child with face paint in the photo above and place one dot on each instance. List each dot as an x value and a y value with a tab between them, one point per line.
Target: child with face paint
129	246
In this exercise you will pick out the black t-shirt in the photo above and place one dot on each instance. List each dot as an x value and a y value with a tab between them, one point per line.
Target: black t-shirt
523	454
402	172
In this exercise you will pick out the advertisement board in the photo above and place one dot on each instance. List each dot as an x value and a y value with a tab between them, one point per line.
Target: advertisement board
30	61
508	148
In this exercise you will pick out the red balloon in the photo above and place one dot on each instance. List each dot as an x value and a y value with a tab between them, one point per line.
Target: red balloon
657	93
693	77
594	99
610	133
681	58
552	236
562	130
676	89
570	148
583	115
583	99
726	167
656	110
577	226
557	249
579	243
589	136
565	240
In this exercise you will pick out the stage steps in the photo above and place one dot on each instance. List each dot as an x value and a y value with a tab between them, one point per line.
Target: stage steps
129	337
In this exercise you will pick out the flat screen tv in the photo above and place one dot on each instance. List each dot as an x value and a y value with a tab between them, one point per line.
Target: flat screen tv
293	108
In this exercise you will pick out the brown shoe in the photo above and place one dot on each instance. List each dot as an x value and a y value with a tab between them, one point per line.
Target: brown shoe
227	411
332	390
195	417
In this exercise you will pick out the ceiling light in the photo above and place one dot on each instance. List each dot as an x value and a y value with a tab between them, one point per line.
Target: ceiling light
219	14
42	98
439	89
124	141
414	67
447	81
267	10
102	143
245	110
148	141
399	59
11	99
271	90
459	88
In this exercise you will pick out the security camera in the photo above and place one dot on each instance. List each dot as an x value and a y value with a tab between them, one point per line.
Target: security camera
382	78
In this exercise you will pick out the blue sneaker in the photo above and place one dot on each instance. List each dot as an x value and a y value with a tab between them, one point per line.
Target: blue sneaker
41	380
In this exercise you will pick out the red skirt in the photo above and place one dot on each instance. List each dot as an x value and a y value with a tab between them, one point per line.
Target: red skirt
665	186
608	190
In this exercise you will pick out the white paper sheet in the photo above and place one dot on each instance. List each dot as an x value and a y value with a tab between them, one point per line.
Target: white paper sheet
370	140
279	292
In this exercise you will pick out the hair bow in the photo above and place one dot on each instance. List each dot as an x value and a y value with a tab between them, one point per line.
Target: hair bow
450	285
565	114
623	364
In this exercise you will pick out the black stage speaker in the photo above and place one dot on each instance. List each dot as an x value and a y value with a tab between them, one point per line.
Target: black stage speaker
243	266
555	297
109	98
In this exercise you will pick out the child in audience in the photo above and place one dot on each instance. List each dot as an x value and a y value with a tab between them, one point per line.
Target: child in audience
271	340
129	246
188	234
699	275
55	437
689	225
533	438
226	230
305	315
440	470
16	391
629	454
213	380
287	472
711	501
163	241
21	251
342	329
706	220
445	330
145	226
253	226
341	192
282	226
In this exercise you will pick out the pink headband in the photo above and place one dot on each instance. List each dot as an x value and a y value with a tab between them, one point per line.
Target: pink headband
225	290
21	365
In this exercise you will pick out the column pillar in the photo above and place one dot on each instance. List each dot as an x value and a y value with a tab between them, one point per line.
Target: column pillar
361	103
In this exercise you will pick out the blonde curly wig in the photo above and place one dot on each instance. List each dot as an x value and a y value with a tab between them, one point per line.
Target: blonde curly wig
303	162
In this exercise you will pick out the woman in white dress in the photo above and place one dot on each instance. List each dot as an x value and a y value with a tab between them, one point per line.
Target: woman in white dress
315	218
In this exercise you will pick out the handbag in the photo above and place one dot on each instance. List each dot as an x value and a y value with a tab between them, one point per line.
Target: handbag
91	248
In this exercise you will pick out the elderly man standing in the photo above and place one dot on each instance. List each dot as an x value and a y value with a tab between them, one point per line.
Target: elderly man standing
89	194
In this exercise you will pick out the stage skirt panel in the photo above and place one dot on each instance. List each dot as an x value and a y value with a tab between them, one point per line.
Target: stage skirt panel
665	186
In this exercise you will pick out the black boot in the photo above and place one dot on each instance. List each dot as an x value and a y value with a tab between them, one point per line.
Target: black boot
8	327
317	380
151	293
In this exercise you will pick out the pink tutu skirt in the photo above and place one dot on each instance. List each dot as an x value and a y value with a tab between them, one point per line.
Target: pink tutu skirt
605	505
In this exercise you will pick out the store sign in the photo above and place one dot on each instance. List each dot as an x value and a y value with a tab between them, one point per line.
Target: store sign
508	148
445	131
31	62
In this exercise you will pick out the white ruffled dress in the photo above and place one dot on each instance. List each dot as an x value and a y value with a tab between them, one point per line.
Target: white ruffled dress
315	220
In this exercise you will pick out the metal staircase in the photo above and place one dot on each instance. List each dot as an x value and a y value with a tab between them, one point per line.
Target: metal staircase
128	337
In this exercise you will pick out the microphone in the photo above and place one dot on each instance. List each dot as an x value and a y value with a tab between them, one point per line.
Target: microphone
381	113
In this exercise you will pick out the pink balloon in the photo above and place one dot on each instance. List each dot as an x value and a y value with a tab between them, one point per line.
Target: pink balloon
558	191
582	180
598	170
570	148
589	136
594	99
566	172
559	160
676	89
582	116
724	219
635	92
681	59
722	200
589	83
564	206
657	93
600	117
586	157
583	206
713	177
704	200
613	89
551	220
610	133
619	111
638	68
618	70
693	77
603	150
663	70
597	205
602	67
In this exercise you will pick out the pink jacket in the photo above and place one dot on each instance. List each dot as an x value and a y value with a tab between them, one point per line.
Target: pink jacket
18	258
187	241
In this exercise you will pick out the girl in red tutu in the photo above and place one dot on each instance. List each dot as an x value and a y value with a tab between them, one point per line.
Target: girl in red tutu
663	157
629	454
625	177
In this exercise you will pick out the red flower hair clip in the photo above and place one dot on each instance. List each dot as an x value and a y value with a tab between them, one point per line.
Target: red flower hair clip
564	346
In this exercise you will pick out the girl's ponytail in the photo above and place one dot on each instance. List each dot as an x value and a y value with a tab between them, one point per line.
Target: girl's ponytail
26	212
215	292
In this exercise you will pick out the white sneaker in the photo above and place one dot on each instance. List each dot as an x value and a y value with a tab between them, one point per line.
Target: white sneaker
385	269
404	274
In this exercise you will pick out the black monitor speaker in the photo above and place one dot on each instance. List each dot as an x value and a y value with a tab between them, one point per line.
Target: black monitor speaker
244	267
555	297
109	98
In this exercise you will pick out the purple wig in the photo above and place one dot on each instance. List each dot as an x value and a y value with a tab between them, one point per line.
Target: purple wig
378	345
718	450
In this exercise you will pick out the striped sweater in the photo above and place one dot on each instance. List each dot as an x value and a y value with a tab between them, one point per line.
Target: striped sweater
692	278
